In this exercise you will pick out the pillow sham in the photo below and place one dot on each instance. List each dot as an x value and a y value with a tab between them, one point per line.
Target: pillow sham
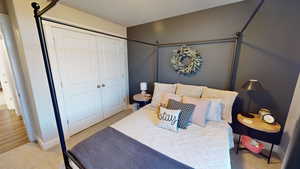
201	109
215	109
186	112
189	90
227	97
159	90
168	119
166	97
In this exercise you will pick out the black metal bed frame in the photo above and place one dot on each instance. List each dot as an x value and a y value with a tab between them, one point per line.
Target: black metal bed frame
67	155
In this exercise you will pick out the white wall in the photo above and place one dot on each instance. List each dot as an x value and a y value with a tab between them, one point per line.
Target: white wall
2	100
21	15
293	117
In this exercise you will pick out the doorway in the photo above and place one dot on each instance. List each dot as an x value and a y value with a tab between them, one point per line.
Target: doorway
13	132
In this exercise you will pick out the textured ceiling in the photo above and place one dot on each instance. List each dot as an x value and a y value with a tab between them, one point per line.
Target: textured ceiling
135	12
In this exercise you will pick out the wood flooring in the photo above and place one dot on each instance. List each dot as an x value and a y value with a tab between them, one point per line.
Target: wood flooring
12	130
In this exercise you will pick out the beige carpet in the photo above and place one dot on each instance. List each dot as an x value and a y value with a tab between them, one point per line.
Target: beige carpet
30	156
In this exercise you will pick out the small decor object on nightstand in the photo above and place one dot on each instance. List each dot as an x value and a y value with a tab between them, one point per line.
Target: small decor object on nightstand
263	111
268	118
143	87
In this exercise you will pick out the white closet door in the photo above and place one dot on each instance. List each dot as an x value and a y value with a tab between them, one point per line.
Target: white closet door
113	75
77	64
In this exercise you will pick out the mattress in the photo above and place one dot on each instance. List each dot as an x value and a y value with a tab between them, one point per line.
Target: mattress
198	147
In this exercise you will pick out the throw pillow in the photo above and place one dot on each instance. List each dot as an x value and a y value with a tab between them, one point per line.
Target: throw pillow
159	90
168	119
227	97
186	112
167	96
189	90
200	111
215	109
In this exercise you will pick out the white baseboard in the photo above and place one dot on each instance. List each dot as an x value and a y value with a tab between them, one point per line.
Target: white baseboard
49	144
45	145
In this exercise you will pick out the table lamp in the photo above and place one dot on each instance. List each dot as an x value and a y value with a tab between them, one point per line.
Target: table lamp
143	87
251	85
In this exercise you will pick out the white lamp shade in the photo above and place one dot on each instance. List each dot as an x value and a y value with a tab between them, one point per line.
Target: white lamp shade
143	86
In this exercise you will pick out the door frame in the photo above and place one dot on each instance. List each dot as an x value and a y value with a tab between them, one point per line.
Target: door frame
22	105
7	78
55	69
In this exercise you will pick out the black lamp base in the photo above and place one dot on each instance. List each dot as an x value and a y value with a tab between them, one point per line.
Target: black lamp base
248	115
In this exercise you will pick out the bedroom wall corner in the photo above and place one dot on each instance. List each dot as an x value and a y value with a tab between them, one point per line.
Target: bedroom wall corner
28	106
291	123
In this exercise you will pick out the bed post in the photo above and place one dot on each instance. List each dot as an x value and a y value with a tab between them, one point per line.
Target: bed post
252	15
235	60
157	61
238	44
37	16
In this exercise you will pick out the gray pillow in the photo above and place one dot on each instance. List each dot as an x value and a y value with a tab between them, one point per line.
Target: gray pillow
185	114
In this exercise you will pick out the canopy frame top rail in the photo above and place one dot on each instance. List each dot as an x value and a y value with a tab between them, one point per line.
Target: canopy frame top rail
38	15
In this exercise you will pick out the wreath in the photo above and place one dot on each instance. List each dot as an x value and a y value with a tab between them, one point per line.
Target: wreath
186	60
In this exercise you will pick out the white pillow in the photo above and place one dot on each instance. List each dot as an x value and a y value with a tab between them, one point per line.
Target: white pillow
227	98
215	109
159	90
168	119
164	100
189	90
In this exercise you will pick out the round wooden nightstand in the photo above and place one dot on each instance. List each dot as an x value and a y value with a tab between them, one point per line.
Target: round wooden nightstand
142	99
257	124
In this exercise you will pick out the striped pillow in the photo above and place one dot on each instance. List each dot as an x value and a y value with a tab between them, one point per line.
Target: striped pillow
186	112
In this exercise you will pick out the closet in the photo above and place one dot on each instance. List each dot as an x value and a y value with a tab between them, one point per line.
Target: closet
90	74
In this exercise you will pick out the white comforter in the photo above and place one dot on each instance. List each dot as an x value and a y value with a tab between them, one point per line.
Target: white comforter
198	147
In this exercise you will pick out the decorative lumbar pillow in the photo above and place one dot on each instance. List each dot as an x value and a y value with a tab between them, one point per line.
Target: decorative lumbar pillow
189	90
227	97
215	109
167	96
200	111
159	90
186	112
168	119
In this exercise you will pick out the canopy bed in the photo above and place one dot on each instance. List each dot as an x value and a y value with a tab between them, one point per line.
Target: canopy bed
131	130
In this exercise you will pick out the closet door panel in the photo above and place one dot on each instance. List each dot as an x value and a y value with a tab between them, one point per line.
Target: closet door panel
112	68
77	60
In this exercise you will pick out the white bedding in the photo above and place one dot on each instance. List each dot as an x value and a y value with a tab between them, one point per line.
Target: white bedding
198	147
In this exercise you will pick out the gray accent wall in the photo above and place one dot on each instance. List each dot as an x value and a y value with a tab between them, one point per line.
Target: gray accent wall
269	52
212	54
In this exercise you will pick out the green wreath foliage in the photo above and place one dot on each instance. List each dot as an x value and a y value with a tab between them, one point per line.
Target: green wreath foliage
186	60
